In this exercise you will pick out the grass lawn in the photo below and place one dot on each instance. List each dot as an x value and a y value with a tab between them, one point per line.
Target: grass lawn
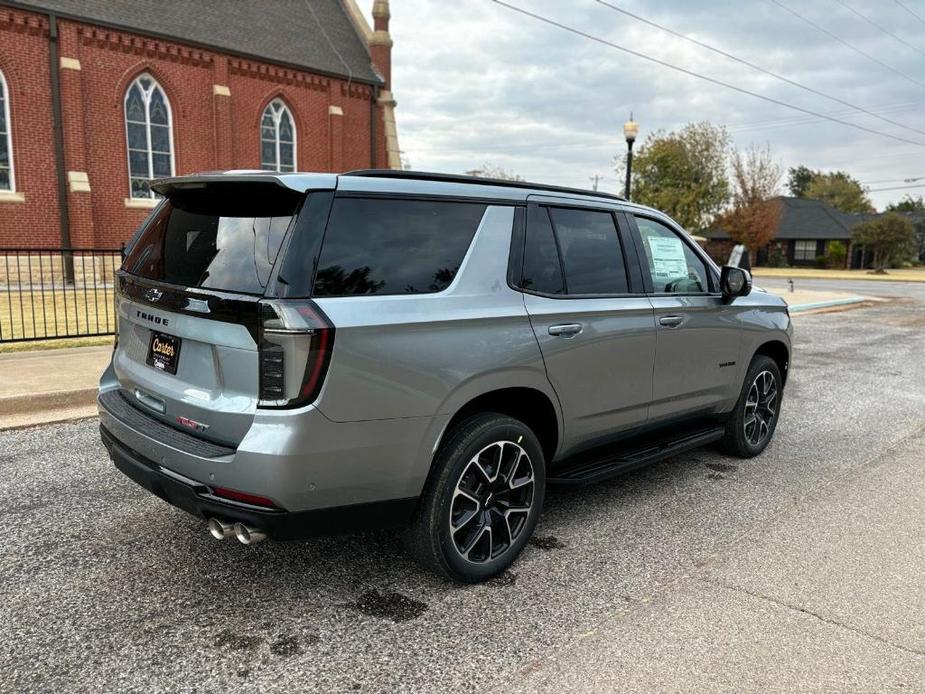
904	275
74	312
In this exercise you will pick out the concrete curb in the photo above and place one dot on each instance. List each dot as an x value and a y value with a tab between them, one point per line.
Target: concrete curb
42	402
798	308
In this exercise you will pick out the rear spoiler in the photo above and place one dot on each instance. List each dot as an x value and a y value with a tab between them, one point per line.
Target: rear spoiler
298	182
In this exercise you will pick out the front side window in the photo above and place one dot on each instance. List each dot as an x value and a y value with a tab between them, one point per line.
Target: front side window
394	246
6	140
148	126
673	266
591	253
277	138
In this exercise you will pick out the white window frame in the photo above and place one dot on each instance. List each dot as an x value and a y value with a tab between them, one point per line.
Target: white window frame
9	132
295	133
799	253
146	99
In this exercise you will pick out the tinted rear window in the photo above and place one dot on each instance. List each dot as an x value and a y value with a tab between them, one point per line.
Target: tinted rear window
590	251
210	241
374	246
542	270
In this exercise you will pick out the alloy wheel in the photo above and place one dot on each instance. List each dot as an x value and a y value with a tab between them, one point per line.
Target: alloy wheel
760	408
492	501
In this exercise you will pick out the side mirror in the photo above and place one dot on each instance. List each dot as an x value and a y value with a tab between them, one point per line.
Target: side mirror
734	281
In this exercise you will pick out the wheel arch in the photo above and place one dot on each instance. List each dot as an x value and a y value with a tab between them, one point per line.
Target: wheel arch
530	405
780	353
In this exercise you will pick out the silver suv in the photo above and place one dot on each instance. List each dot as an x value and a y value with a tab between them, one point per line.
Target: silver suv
302	354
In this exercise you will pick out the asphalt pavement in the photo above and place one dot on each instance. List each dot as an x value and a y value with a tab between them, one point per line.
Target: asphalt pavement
800	570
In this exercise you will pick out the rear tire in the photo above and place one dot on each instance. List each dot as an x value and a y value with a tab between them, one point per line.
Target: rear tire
482	499
751	425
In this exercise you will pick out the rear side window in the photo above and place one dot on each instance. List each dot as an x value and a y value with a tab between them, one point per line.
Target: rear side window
591	251
380	246
542	269
211	241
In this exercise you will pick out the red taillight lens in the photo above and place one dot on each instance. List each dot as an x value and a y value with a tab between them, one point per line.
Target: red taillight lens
296	340
243	497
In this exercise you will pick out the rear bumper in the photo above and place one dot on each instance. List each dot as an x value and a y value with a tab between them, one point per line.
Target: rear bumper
195	498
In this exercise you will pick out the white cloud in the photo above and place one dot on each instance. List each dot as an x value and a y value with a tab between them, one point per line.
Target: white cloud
477	82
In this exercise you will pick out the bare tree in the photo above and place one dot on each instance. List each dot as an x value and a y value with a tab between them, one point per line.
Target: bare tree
753	218
490	170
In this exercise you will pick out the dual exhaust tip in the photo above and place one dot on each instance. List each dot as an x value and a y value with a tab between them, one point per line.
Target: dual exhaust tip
246	534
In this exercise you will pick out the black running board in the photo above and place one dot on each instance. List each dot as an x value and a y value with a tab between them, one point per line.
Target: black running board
610	463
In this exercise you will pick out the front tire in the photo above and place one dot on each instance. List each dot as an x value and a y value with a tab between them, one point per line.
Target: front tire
751	425
482	500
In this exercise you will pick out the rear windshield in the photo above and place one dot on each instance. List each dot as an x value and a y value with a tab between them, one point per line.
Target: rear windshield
376	246
223	241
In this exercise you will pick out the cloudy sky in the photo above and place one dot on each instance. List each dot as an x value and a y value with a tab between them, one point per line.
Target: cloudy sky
477	82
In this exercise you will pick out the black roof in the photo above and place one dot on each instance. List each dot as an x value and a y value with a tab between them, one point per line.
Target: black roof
477	180
279	31
805	218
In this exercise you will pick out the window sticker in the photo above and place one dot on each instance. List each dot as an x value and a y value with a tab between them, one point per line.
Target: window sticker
668	261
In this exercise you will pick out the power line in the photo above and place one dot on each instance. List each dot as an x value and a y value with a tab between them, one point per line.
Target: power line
877	26
706	78
881	190
846	43
765	71
906	8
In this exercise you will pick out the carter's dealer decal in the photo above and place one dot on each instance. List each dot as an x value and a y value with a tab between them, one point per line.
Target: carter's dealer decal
668	257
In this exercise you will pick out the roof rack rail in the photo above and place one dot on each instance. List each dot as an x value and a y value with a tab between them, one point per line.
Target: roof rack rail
476	180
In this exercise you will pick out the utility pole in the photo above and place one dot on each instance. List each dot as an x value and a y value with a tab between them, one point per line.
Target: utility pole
594	179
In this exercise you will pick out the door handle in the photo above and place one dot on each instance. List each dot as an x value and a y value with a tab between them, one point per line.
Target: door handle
671	321
565	330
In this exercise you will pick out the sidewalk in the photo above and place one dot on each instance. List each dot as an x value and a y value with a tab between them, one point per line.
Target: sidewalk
50	386
803	300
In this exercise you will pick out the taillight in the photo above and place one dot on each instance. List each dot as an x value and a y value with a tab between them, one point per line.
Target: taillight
296	340
243	497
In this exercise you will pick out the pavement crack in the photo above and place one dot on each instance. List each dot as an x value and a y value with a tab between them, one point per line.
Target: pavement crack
816	615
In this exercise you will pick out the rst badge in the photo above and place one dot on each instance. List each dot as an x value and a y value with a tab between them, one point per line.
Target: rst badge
192	424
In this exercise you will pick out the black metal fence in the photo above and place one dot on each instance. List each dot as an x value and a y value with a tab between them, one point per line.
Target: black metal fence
57	293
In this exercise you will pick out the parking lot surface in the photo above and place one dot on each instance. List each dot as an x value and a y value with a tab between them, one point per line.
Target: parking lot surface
798	570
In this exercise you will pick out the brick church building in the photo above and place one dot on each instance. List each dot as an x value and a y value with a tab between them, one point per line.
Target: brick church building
99	97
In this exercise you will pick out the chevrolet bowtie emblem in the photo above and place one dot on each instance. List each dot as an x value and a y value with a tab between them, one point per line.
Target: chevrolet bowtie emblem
154	295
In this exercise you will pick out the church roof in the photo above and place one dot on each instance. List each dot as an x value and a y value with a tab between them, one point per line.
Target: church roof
315	34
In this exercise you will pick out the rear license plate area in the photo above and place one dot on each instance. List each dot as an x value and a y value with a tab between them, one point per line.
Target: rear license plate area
164	352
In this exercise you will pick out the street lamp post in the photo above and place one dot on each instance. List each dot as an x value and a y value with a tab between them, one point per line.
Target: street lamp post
630	130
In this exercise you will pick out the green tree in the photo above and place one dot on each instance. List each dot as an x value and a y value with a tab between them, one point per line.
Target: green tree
835	255
890	237
682	173
798	180
841	191
915	207
908	204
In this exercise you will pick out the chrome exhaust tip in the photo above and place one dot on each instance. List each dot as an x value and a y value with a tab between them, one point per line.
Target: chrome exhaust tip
247	535
220	530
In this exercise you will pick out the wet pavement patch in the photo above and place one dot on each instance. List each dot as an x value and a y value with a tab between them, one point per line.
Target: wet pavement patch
237	642
285	646
507	578
722	467
392	606
548	542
